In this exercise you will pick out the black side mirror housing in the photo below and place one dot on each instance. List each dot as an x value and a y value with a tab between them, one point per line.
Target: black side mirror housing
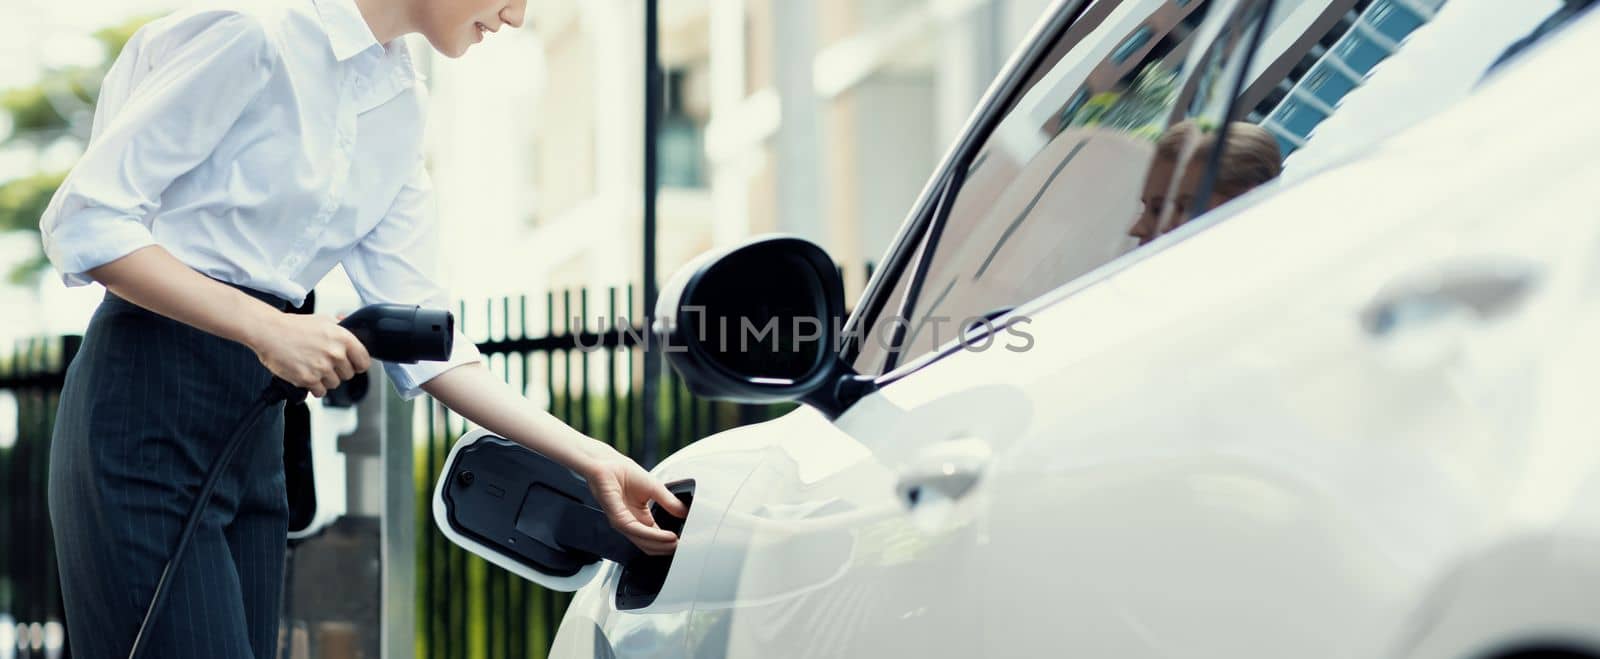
760	322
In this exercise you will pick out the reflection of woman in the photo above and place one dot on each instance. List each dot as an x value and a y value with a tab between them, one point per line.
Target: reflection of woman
1250	158
237	156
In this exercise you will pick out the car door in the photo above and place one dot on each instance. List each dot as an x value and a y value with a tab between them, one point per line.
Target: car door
868	535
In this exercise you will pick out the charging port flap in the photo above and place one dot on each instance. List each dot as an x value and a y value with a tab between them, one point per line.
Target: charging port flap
526	513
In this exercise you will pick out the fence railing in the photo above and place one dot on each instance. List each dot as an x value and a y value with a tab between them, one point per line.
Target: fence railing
32	623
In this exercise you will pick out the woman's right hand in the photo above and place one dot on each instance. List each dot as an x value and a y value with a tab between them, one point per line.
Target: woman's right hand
310	351
625	491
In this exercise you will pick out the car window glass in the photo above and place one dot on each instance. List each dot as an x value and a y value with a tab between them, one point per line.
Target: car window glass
1104	151
1331	77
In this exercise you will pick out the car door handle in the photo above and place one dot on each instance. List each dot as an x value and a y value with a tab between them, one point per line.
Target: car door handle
1484	290
947	470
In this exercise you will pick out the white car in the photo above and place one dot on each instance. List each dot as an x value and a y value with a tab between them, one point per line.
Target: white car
1352	413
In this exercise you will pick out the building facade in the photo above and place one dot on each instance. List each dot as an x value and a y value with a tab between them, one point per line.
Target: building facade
821	119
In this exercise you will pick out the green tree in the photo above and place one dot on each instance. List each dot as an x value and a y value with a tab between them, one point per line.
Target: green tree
59	105
1139	108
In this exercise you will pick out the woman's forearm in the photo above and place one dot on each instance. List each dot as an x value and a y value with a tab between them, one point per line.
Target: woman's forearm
153	278
311	352
474	392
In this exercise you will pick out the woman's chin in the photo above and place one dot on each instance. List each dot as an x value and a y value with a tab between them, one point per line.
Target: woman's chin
452	49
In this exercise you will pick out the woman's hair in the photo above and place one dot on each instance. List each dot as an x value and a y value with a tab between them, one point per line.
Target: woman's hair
1250	159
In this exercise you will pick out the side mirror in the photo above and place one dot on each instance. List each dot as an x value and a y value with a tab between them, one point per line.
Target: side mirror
760	323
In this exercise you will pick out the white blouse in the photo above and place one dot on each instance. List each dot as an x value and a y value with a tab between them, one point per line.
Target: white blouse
261	145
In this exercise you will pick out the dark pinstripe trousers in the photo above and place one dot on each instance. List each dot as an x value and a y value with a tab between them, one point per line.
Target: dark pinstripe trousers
147	405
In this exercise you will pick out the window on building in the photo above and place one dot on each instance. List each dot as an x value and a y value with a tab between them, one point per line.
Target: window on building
681	142
1334	63
1135	41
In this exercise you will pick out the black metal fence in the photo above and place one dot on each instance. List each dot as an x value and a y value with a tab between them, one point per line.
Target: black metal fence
31	619
570	350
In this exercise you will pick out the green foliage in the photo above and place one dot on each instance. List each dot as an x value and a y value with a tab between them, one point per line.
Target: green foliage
39	113
29	271
37	108
116	36
1140	108
33	109
23	200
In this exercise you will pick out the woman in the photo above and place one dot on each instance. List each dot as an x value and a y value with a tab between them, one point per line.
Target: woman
237	155
1250	158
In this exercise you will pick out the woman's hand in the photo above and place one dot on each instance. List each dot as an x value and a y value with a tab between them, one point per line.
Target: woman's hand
624	491
309	351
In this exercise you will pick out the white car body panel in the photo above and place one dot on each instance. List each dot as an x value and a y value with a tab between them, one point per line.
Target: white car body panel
1211	451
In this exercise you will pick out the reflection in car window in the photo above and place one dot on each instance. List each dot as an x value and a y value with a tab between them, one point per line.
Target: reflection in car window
1319	51
1132	44
1062	185
1347	73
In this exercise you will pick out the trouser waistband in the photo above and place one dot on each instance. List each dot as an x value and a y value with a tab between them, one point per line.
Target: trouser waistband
271	299
277	302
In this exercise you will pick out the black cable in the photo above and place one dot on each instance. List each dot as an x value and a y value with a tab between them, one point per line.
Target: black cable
286	605
277	391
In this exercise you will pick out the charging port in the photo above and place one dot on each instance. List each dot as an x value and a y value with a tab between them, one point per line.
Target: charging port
643	577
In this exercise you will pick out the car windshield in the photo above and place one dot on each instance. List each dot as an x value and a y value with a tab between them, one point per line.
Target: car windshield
1074	176
1101	153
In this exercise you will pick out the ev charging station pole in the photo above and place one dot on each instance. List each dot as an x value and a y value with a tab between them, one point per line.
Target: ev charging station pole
397	609
646	454
350	587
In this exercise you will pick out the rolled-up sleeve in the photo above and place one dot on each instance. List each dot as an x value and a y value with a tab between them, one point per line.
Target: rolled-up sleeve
398	262
163	108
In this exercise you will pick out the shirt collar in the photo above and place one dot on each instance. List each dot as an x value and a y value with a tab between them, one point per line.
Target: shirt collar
347	30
